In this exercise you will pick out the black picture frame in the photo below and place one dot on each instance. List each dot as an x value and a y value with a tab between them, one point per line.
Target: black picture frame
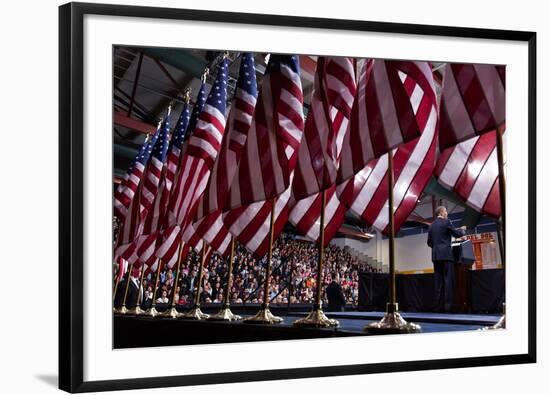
71	223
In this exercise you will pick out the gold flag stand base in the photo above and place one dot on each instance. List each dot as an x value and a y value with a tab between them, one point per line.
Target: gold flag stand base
151	312
194	314
225	314
136	311
501	323
170	313
123	310
316	319
392	322
264	316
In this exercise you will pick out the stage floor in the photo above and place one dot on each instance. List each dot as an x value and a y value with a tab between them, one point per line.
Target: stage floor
131	331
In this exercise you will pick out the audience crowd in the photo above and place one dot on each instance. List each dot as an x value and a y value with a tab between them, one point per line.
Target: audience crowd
292	279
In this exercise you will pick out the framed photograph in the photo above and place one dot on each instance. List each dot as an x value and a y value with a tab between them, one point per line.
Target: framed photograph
329	193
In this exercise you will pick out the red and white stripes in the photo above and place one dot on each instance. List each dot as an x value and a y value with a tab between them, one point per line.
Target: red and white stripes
250	224
366	194
198	160
382	117
273	140
325	127
126	191
208	223
470	169
472	101
306	215
225	166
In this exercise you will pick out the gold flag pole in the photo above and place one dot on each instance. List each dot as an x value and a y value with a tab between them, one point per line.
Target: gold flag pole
123	309
392	322
264	316
225	313
117	282
195	313
137	308
116	226
501	323
317	318
114	294
172	312
152	311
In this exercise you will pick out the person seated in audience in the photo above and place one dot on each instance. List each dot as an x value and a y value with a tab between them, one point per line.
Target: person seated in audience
182	300
219	298
164	297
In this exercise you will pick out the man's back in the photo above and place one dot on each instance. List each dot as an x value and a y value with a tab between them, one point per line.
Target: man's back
439	239
335	296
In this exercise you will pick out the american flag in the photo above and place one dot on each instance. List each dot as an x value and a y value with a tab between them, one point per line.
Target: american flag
306	215
151	180
176	149
326	126
470	169
202	150
208	224
133	229
122	269
185	126
265	173
366	194
472	102
270	151
382	117
154	222
126	190
250	224
132	220
199	106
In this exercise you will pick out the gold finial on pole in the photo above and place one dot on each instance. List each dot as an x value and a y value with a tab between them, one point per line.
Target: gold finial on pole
187	96
205	74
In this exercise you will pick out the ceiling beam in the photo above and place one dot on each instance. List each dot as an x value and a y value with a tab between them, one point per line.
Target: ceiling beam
121	119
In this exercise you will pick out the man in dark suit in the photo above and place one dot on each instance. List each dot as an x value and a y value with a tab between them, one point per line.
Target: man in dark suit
439	239
335	296
135	291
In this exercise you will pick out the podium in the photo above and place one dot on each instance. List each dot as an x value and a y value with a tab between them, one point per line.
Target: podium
464	258
463	252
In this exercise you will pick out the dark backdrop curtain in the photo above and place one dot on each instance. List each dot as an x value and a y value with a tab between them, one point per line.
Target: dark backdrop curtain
415	291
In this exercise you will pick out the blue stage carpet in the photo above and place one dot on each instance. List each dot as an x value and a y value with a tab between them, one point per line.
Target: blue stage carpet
430	322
